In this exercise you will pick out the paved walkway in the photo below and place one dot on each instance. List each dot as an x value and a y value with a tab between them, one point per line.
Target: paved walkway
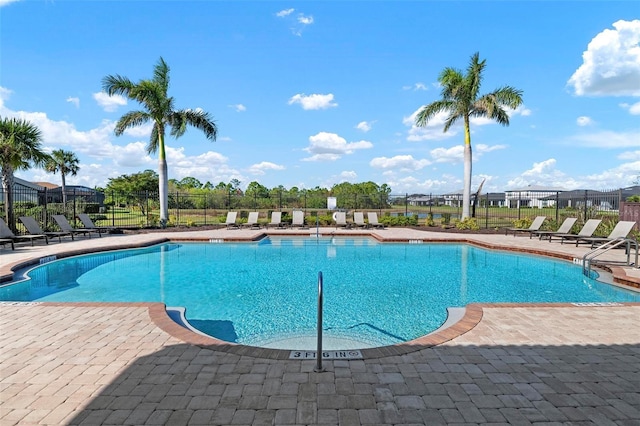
118	364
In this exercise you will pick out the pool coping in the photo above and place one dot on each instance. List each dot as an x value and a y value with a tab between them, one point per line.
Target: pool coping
472	316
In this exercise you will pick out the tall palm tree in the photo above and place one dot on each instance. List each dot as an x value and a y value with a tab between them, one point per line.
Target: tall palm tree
65	163
158	108
19	150
461	100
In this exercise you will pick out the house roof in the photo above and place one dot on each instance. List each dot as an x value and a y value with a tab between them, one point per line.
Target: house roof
47	185
537	188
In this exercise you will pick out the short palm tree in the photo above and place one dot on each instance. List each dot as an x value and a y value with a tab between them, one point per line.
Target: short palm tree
65	163
19	150
461	99
159	109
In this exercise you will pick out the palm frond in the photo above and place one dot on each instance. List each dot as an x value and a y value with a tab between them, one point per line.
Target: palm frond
161	74
117	85
197	118
429	111
131	119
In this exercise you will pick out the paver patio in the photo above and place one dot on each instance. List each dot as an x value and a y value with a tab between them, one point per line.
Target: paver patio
114	364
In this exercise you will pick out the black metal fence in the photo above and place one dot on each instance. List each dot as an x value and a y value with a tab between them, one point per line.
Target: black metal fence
141	209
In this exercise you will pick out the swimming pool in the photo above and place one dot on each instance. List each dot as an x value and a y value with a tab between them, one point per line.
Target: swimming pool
265	293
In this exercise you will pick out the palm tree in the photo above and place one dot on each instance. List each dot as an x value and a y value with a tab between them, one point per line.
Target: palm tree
461	100
19	149
158	108
66	163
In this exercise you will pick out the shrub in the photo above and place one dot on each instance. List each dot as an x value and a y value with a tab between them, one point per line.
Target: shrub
634	199
92	208
429	220
467	223
446	218
523	223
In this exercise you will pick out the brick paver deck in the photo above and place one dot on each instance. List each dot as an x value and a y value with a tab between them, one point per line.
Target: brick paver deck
112	364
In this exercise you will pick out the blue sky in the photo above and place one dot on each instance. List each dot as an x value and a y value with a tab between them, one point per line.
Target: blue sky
312	94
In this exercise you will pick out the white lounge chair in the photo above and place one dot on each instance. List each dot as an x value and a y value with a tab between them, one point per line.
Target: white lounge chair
358	220
621	230
341	220
372	217
298	220
276	220
535	226
563	229
252	221
65	226
587	230
231	220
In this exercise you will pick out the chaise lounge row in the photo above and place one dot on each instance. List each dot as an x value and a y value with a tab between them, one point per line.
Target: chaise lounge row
585	235
340	219
35	231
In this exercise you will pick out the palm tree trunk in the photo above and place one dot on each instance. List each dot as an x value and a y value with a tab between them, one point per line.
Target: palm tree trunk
7	187
466	192
163	182
64	192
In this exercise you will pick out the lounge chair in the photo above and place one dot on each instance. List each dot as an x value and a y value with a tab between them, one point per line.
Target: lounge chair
34	228
4	241
358	220
563	229
535	226
298	220
372	217
341	220
276	220
252	221
65	226
231	220
587	230
621	230
88	223
7	234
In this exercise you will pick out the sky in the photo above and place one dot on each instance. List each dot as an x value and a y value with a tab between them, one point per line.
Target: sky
314	93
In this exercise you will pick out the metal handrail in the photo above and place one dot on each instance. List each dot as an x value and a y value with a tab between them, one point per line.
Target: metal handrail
588	258
318	367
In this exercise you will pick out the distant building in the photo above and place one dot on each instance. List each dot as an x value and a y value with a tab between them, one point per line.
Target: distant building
75	192
23	192
531	196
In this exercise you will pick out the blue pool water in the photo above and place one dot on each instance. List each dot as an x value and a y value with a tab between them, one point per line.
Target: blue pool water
257	293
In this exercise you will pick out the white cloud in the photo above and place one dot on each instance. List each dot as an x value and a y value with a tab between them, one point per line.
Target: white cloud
285	12
75	101
634	109
142	131
455	154
365	126
611	63
630	155
433	129
543	167
584	121
297	22
261	168
607	139
109	103
330	147
315	101
5	94
238	107
305	20
401	162
521	110
415	86
6	2
348	175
